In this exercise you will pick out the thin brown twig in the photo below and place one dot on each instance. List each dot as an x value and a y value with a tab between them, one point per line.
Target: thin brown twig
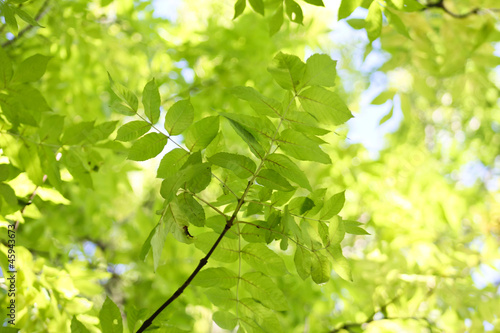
440	4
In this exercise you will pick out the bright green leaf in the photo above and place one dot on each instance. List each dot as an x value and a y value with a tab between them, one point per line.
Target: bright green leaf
179	117
333	206
241	165
172	162
263	289
276	21
257	5
325	105
261	258
320	71
320	268
216	277
77	326
287	70
110	317
374	21
272	179
225	320
226	251
347	7
201	133
151	101
294	11
261	104
147	147
288	169
300	147
239	7
132	130
31	69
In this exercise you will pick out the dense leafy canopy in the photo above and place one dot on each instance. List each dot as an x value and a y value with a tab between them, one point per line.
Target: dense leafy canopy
207	162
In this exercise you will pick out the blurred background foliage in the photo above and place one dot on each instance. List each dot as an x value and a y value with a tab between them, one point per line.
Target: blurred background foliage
420	160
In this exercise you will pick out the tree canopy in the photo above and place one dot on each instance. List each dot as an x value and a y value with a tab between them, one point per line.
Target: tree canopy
249	166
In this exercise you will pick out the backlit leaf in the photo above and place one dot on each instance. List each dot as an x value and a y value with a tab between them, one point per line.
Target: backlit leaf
110	317
261	258
374	21
287	70
274	180
179	117
320	71
300	147
288	169
31	69
241	165
151	101
132	130
147	147
201	133
326	106
263	289
216	277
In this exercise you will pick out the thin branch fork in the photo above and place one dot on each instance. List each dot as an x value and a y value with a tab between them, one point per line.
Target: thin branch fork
440	4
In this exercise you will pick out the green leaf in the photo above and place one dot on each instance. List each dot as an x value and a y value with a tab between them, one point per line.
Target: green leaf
255	234
31	69
77	326
132	130
264	290
147	147
300	147
179	117
128	98
294	11
249	138
241	165
352	227
261	104
347	7
336	230
320	268
325	105
5	67
303	262
333	206
412	6
261	258
396	22
8	172
257	5
25	16
276	21
77	167
239	7
191	209
172	162
340	264
157	242
216	277
357	24
320	71
202	133
171	184
288	169
146	246
110	317
315	2
387	116
260	125
374	21
9	17
222	298
151	101
383	97
226	251
274	180
287	70
305	123
77	133
225	320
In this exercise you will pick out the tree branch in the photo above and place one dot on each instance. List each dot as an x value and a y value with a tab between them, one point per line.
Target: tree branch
39	15
198	268
440	4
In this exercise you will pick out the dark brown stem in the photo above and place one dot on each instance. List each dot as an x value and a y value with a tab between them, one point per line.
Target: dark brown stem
198	268
39	15
440	5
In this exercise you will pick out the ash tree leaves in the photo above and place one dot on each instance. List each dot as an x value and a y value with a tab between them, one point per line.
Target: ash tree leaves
242	166
132	130
151	101
124	101
31	69
147	147
110	317
179	117
279	134
374	21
